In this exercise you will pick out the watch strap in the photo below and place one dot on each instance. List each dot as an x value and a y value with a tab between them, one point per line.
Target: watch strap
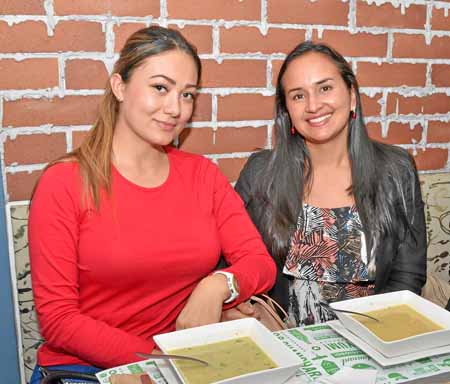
231	282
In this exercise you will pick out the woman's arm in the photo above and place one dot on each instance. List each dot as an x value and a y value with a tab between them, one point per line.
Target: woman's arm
54	228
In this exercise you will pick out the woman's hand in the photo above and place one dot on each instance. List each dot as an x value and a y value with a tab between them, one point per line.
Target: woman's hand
205	303
241	311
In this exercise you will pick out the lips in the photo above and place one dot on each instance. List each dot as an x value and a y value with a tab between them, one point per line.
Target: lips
319	121
165	125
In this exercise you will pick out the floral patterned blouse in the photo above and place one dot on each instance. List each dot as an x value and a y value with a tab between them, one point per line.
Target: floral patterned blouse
328	260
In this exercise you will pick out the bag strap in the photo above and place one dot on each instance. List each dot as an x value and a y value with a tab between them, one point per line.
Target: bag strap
276	305
270	310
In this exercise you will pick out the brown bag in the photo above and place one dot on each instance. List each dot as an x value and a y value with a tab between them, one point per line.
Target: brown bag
268	310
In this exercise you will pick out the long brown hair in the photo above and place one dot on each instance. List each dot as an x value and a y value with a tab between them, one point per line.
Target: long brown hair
94	154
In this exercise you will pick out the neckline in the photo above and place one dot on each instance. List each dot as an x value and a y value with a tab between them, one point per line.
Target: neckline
306	205
142	188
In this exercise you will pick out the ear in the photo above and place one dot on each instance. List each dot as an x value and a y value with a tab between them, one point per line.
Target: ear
117	86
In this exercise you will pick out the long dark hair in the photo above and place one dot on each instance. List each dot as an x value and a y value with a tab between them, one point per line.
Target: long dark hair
376	171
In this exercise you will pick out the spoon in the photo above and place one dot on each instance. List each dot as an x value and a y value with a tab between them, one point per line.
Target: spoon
326	305
168	357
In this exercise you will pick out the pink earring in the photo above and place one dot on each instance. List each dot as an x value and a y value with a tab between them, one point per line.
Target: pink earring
292	130
353	115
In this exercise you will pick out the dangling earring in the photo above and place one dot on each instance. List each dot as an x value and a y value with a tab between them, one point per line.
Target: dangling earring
292	130
353	115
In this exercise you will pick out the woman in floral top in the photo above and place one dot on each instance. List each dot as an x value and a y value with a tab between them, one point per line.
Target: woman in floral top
341	214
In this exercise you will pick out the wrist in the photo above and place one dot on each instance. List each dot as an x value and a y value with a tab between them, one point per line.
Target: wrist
231	285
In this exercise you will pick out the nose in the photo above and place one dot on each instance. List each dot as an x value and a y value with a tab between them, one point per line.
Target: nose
172	105
312	103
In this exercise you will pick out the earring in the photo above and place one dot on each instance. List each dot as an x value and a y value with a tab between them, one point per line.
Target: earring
353	115
292	130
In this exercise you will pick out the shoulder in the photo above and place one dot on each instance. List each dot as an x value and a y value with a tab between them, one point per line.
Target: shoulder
58	177
256	163
188	161
395	161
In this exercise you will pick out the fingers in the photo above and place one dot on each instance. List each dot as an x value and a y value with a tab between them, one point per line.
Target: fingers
246	308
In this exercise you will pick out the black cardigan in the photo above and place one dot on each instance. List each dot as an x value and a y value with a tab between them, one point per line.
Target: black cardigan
399	266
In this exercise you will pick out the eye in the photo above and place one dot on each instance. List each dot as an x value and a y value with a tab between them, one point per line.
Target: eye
188	95
298	96
160	88
326	88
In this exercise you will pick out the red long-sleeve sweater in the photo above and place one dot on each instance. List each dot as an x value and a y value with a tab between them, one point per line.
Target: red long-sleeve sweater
106	282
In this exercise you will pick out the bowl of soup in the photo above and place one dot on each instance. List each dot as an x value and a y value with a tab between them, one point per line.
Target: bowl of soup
407	322
238	352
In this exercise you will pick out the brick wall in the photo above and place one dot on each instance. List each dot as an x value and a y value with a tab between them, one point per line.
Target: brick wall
55	56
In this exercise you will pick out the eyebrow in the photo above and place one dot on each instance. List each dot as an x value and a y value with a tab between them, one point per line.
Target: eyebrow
172	81
317	83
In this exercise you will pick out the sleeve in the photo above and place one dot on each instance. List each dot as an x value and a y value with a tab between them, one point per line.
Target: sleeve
54	226
409	266
241	243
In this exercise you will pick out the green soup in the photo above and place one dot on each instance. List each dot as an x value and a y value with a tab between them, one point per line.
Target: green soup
230	358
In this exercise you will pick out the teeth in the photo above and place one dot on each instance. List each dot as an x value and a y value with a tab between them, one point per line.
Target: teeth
320	119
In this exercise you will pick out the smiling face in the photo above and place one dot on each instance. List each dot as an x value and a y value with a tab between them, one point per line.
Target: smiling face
317	99
158	99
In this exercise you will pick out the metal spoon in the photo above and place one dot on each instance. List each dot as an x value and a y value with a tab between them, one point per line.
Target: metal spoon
326	305
168	357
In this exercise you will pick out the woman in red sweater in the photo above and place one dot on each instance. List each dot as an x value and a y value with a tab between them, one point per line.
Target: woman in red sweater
125	232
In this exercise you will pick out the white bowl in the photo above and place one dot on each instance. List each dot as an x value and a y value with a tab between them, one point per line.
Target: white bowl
411	344
285	359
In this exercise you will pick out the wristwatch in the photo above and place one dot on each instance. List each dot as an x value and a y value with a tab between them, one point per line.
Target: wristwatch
233	285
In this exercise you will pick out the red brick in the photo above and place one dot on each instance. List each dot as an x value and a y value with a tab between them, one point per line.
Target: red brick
198	35
431	159
20	184
440	75
201	140
231	168
333	12
386	15
245	107
28	7
207	9
391	75
234	73
359	44
398	133
276	66
123	31
438	132
414	46
28	74
371	105
70	110
203	108
35	148
86	74
77	138
250	39
113	7
439	21
31	36
436	103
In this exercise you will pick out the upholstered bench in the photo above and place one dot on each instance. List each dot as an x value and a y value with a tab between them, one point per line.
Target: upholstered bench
436	195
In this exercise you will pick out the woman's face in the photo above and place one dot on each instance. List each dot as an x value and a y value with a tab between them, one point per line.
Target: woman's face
158	99
317	98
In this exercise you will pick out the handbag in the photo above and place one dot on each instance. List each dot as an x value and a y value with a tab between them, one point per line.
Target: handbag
59	377
269	311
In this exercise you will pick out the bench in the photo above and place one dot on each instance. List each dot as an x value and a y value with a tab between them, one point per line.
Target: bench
436	195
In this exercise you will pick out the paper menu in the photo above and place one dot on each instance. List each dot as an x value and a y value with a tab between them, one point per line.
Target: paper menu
323	353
